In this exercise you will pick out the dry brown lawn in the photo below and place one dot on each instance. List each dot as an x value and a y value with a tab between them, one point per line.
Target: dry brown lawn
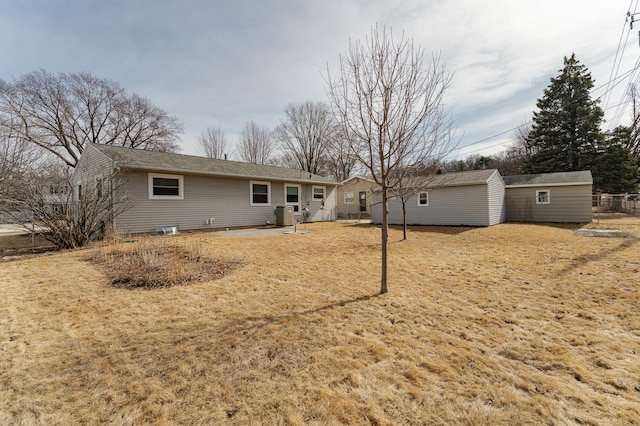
512	324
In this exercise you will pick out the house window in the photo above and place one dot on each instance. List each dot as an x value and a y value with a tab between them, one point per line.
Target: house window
166	187
260	193
423	199
348	197
543	197
318	193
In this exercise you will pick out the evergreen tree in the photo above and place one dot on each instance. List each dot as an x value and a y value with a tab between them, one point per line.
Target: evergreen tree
615	168
566	128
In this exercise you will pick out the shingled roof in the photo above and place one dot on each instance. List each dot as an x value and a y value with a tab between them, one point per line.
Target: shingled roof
550	179
154	161
469	177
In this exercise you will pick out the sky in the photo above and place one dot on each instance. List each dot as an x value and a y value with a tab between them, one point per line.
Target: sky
224	63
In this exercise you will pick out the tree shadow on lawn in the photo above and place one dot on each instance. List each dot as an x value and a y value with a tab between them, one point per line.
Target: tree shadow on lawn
587	258
256	323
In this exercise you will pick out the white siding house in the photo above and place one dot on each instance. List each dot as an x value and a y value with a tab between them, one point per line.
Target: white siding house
189	192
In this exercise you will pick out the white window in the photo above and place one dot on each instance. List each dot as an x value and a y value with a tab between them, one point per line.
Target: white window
292	196
423	199
543	197
166	187
348	197
260	193
318	193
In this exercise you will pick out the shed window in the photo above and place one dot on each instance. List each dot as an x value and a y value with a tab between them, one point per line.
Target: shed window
543	197
348	197
260	193
166	187
318	192
423	199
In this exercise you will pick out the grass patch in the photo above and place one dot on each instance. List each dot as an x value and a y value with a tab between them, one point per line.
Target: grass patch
158	263
511	324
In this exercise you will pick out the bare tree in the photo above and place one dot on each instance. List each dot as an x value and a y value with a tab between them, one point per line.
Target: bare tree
255	144
340	163
17	157
305	135
391	110
213	142
67	222
60	113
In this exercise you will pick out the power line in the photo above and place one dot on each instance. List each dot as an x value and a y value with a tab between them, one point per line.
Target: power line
605	102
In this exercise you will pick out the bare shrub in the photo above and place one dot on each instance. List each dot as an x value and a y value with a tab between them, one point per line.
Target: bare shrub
158	262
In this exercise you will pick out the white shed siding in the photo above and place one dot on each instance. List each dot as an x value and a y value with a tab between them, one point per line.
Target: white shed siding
496	194
453	206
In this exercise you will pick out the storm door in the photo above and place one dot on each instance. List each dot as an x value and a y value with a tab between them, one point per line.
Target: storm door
292	196
362	196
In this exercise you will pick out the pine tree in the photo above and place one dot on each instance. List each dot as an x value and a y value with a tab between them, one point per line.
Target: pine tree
615	167
566	128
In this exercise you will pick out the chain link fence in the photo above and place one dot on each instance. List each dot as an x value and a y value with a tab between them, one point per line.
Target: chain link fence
617	203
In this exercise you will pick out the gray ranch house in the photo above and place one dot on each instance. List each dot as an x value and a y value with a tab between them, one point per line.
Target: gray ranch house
189	192
485	198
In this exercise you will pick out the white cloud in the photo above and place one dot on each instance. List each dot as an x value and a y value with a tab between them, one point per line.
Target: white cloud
215	62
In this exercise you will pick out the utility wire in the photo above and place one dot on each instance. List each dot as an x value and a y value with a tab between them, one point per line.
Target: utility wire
620	78
605	102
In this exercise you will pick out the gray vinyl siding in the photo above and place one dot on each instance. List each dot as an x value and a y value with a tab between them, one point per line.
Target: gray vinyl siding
92	164
226	200
496	194
453	206
568	204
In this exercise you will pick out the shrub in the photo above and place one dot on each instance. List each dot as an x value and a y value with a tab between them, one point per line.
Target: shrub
159	262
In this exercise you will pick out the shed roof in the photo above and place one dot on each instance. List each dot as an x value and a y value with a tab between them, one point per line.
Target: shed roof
469	177
138	159
550	179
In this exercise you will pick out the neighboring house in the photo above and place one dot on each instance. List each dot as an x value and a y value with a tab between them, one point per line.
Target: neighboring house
354	198
472	198
549	197
485	198
188	192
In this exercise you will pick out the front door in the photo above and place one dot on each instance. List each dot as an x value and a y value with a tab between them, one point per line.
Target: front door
363	201
292	197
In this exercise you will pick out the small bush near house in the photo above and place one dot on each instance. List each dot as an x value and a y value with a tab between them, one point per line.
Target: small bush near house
158	262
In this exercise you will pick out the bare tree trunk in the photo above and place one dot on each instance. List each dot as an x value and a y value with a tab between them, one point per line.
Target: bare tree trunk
385	239
404	218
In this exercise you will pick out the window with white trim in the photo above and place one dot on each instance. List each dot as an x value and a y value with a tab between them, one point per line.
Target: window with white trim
423	199
348	197
260	193
166	187
318	193
543	196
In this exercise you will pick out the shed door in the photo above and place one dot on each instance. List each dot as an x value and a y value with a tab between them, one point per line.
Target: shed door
363	201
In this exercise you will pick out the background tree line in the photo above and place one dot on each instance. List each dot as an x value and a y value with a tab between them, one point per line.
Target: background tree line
565	134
